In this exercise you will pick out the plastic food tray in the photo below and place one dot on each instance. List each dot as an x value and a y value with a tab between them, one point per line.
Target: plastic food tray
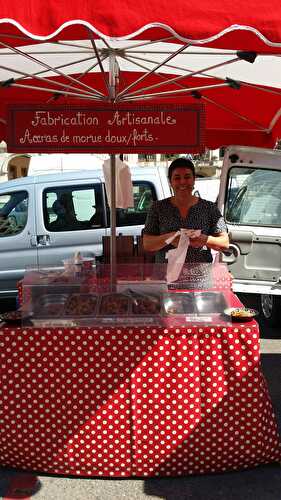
194	303
50	306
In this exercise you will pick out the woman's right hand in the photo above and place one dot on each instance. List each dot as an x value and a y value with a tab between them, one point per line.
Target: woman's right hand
153	243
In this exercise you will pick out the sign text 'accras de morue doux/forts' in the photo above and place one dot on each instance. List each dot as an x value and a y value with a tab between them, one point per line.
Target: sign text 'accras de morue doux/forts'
105	129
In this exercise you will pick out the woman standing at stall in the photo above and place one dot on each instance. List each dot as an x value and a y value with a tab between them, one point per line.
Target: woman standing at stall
183	210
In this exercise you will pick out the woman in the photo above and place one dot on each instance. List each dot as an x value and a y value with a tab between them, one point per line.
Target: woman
183	210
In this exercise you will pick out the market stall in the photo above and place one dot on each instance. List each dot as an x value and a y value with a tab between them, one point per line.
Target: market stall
134	393
123	393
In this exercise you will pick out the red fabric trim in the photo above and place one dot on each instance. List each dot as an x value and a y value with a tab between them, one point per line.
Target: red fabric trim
190	20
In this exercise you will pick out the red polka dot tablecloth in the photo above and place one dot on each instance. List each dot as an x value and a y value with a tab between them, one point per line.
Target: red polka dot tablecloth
134	401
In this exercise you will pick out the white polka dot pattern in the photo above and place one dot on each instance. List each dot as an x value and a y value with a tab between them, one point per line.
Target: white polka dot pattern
134	401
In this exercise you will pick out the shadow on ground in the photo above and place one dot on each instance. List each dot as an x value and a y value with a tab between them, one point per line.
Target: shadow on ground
271	367
15	484
266	332
262	483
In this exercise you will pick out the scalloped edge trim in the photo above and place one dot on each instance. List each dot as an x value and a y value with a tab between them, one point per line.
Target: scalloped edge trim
169	29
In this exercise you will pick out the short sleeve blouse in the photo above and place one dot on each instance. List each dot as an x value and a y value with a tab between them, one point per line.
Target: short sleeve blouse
164	217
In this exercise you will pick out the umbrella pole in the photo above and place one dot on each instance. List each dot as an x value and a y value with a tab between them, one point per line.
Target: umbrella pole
113	264
113	75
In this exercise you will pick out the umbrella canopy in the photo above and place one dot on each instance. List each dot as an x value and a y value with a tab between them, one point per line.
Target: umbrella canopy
226	23
225	55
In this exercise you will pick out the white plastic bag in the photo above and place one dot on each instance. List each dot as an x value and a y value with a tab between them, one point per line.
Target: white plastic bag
176	256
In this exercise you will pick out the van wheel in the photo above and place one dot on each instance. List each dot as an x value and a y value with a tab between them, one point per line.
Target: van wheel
271	309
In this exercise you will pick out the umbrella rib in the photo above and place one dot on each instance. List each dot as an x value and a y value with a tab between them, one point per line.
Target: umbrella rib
180	77
172	66
33	59
267	89
68	43
151	71
35	75
169	93
161	75
95	92
242	117
274	120
42	79
79	61
148	42
43	52
44	89
100	63
235	113
105	42
180	68
189	52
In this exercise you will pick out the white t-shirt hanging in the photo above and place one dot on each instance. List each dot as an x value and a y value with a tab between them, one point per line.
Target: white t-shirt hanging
124	185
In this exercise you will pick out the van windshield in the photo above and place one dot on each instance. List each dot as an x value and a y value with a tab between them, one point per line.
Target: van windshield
254	197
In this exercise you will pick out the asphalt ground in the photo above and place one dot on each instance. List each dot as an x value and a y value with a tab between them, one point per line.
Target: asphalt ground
260	483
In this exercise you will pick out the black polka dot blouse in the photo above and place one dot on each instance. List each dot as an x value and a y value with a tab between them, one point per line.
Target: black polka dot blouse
164	217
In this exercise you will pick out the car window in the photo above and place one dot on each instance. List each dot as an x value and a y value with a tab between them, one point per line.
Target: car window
13	212
254	197
73	208
144	193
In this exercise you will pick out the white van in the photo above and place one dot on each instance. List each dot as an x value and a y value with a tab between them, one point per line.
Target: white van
250	199
33	233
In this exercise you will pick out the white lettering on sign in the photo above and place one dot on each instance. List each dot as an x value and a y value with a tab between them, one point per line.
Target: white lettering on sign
30	138
105	128
129	118
46	118
133	138
86	139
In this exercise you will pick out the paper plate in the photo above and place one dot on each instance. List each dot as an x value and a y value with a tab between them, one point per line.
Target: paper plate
240	313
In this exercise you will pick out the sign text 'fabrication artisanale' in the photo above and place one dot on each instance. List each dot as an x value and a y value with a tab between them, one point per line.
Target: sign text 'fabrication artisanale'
107	129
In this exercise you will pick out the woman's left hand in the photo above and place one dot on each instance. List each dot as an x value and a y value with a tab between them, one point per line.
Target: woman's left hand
217	242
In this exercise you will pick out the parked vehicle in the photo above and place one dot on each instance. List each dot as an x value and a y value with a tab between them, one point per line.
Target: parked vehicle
34	231
250	198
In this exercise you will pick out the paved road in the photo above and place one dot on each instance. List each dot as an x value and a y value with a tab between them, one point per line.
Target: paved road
262	483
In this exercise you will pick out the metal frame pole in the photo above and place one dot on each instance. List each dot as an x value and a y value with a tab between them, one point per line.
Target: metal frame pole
113	263
112	86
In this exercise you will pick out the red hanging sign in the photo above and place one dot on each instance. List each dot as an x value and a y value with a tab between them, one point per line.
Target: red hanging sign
106	129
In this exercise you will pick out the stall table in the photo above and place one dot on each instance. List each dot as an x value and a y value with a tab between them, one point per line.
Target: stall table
135	401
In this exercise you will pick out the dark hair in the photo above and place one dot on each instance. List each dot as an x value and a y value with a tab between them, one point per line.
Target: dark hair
180	163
